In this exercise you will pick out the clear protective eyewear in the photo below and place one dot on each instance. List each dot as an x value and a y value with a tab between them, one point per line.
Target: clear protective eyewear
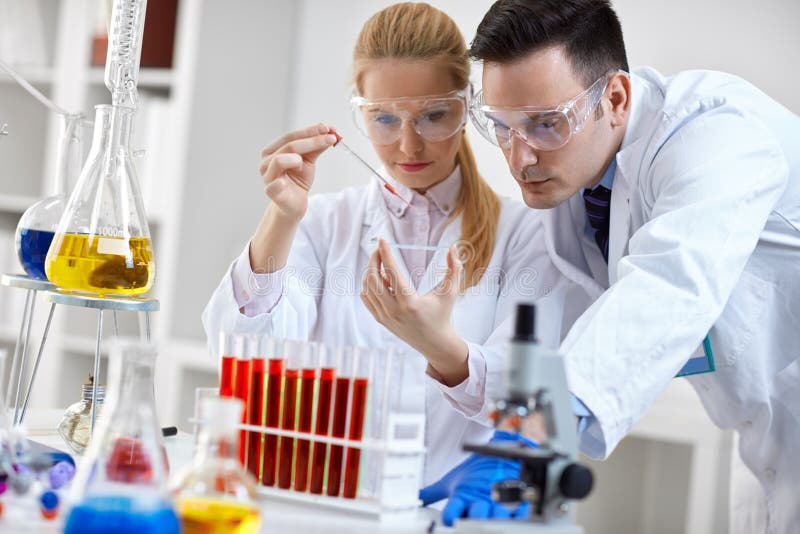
434	118
538	127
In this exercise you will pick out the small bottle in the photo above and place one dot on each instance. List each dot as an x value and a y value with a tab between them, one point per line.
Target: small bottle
76	424
215	493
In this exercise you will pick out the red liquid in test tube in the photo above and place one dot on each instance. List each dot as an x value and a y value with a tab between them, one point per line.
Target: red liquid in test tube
241	390
287	423
358	408
226	376
274	380
337	431
323	422
304	416
255	415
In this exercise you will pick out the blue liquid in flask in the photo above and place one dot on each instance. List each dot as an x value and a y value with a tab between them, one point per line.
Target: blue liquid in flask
33	246
121	515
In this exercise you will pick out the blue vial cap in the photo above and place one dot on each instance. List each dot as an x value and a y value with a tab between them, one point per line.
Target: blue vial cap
49	500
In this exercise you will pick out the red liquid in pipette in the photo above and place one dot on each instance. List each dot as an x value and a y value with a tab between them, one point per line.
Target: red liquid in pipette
273	420
337	431
226	374
385	183
287	423
304	425
323	420
255	416
241	390
358	408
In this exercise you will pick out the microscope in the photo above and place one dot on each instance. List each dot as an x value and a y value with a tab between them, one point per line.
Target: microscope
536	391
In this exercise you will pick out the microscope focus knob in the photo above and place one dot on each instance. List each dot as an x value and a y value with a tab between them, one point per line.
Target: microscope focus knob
576	481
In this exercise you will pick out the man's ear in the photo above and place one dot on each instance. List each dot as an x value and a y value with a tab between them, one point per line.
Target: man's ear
619	95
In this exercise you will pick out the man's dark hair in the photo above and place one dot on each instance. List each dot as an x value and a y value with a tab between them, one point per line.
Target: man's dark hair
588	30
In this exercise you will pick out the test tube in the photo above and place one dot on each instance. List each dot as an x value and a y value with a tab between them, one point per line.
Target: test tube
255	405
384	396
241	387
340	415
305	413
293	352
273	409
227	364
364	360
327	375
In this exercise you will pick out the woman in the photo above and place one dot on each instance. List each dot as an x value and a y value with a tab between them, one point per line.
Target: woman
411	76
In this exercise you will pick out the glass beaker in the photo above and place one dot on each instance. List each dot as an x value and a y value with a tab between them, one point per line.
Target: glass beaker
102	243
215	494
38	224
120	485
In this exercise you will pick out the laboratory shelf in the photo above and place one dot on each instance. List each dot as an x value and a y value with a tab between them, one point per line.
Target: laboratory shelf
8	333
16	203
37	75
79	344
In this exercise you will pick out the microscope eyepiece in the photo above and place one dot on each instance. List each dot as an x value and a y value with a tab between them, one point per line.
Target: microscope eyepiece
525	327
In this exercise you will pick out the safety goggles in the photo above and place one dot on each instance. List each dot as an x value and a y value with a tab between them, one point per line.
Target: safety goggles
434	118
540	128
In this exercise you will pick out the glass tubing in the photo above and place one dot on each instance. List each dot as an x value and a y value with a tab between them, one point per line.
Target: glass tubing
307	406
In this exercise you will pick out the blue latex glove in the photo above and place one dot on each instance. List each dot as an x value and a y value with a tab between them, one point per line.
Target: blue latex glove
469	485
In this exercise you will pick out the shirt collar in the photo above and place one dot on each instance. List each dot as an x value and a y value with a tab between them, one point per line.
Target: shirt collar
443	196
608	176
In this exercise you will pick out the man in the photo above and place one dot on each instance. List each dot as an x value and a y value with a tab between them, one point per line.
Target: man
674	203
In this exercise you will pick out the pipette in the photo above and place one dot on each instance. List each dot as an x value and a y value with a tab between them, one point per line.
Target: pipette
389	187
410	247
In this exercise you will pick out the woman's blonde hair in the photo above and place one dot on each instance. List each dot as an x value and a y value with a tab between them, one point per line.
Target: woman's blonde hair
418	31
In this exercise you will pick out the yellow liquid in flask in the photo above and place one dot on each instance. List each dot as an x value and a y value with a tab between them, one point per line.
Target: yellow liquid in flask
102	265
203	515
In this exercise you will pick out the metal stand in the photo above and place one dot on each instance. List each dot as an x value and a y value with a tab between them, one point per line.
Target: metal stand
32	286
144	306
52	295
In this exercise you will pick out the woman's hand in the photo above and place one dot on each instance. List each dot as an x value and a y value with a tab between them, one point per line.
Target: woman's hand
287	167
421	321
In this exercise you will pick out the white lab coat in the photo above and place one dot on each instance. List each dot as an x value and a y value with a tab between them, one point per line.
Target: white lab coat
704	236
321	302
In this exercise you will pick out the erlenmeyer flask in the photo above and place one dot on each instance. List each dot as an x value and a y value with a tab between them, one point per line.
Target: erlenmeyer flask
215	494
38	224
102	244
120	485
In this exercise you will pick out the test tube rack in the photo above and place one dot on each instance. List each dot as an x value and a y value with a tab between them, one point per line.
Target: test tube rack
329	431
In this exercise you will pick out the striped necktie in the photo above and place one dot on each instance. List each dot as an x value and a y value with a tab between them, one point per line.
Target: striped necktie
598	209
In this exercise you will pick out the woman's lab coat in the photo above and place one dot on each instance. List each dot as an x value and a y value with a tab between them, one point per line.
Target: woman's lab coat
704	236
321	302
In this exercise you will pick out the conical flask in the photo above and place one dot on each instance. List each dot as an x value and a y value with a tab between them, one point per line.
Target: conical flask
215	494
38	224
120	485
102	245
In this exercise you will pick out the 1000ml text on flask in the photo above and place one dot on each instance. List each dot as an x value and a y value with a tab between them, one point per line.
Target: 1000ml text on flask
102	265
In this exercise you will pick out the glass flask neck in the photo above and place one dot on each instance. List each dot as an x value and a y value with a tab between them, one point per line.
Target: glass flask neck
112	131
217	445
70	154
132	380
